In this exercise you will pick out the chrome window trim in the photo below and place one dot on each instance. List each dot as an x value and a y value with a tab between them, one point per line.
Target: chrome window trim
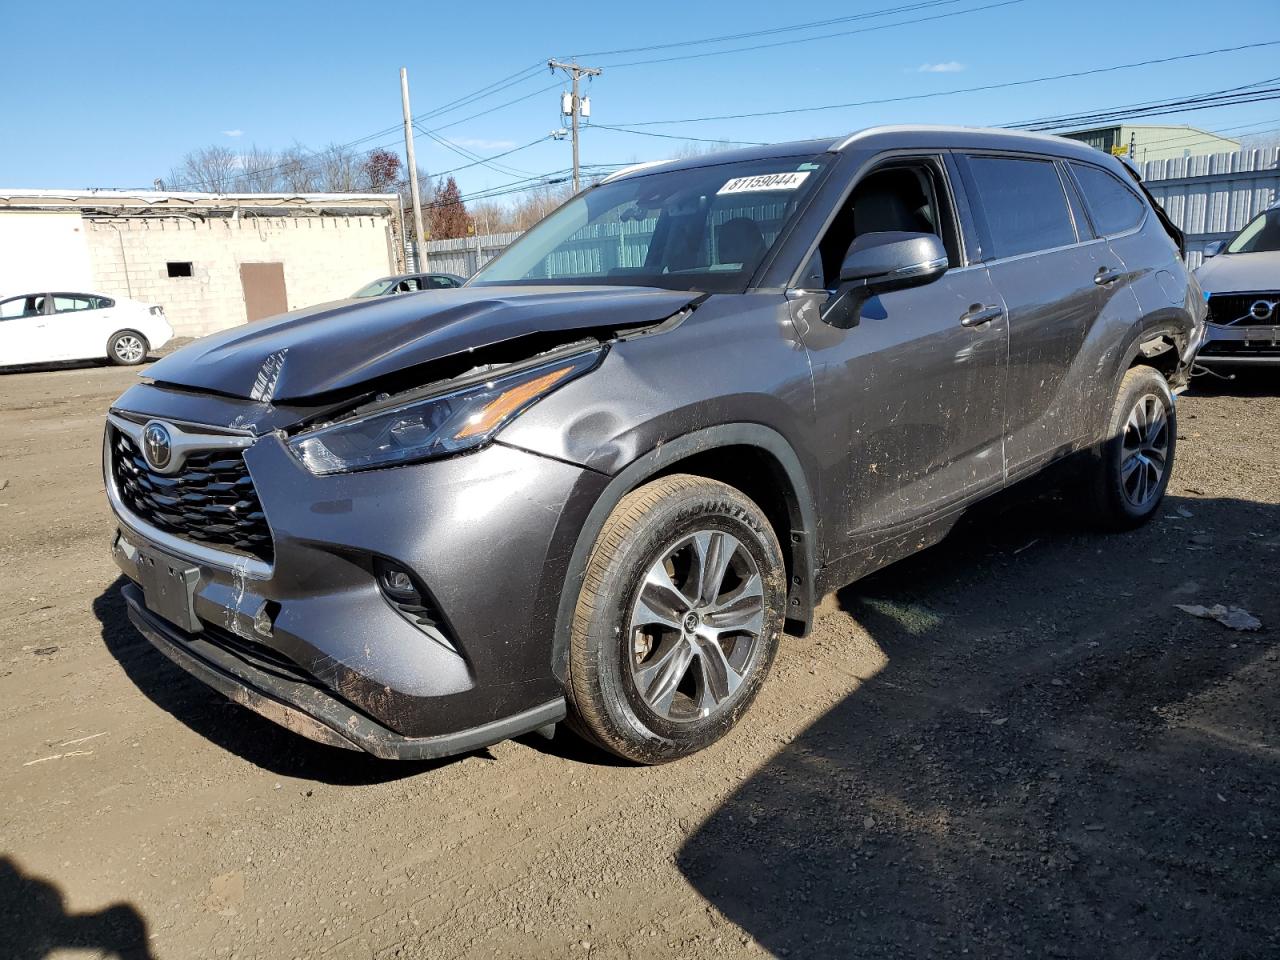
198	553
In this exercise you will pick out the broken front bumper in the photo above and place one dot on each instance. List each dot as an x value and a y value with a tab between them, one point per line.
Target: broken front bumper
312	640
252	676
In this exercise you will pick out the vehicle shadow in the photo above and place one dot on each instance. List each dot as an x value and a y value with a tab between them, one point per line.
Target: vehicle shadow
35	922
231	726
55	365
1054	761
1236	382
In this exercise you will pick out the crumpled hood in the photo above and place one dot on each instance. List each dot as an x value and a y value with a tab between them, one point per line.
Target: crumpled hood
1240	273
338	346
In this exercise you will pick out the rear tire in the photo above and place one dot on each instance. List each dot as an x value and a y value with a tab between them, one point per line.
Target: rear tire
1126	475
128	348
678	619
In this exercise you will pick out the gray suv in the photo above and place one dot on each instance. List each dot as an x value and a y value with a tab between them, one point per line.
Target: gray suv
602	480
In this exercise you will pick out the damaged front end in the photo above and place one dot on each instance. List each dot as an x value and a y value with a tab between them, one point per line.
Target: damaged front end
356	558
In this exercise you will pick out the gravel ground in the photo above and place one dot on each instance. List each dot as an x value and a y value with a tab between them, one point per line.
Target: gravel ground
1011	745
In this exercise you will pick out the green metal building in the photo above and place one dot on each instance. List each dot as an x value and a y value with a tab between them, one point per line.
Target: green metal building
1143	143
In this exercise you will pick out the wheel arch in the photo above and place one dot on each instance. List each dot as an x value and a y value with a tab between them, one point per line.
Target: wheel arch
777	483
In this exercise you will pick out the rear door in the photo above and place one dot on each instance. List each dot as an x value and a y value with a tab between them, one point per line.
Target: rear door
1048	275
24	330
79	325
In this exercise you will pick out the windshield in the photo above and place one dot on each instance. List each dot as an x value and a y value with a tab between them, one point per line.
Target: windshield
1262	235
706	228
375	289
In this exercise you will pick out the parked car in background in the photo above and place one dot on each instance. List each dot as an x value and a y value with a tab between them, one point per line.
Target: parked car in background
46	327
1241	283
409	283
601	480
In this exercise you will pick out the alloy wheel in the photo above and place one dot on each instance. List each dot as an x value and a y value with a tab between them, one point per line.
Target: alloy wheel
1144	452
129	348
695	625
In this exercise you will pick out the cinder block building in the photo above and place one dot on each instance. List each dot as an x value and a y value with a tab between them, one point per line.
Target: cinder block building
212	261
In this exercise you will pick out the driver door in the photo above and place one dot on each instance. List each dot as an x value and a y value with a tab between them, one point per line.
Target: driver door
913	396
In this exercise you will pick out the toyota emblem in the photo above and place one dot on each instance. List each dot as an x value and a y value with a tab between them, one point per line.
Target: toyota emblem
157	445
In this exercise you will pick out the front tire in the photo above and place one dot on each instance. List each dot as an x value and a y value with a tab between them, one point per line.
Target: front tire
1127	474
678	620
128	348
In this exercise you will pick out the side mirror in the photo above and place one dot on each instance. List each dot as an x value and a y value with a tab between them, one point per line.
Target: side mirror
882	262
1213	248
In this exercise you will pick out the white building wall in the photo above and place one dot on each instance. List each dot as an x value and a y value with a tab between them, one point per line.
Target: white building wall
43	251
325	258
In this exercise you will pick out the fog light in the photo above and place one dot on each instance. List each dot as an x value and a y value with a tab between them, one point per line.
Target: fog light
397	583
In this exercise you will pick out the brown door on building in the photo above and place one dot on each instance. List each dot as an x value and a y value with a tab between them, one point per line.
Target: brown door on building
264	294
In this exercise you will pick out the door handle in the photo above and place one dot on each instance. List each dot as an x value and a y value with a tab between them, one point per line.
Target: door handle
977	315
1106	275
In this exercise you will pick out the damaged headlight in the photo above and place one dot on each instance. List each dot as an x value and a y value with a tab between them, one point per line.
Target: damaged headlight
435	425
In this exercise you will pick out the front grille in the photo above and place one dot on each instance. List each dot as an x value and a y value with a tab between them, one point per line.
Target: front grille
1232	309
211	501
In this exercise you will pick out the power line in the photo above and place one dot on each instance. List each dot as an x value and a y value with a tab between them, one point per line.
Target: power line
1248	93
528	96
1195	135
824	36
811	25
485	161
949	93
674	136
520	76
482	93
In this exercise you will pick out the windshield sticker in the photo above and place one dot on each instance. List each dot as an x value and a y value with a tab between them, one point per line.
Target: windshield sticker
768	181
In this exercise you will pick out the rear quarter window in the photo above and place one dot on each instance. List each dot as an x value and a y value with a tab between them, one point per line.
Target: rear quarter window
1113	207
1023	203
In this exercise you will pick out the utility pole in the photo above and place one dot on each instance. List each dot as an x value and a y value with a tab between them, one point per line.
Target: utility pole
419	238
575	104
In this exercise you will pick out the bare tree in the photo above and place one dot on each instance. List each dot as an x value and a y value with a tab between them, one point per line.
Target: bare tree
259	171
339	169
211	170
699	148
426	187
297	170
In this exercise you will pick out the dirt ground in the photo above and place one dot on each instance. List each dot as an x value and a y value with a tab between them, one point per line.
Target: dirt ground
1011	745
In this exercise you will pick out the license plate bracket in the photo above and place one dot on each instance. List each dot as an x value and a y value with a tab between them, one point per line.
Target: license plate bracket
1267	335
169	588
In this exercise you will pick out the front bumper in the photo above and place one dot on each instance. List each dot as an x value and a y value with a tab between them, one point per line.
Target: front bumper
487	534
1239	346
298	703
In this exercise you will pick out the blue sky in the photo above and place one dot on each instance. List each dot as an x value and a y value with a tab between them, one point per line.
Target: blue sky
107	95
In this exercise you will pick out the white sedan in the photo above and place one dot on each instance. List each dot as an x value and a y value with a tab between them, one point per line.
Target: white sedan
43	327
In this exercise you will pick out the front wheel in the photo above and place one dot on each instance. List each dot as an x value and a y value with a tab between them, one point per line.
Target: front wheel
127	348
1127	473
678	619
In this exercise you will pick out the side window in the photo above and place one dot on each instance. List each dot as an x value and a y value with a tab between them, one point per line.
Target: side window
1113	207
906	196
67	302
1023	204
16	307
441	283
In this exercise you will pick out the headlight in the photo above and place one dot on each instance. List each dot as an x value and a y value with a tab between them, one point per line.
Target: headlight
433	426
